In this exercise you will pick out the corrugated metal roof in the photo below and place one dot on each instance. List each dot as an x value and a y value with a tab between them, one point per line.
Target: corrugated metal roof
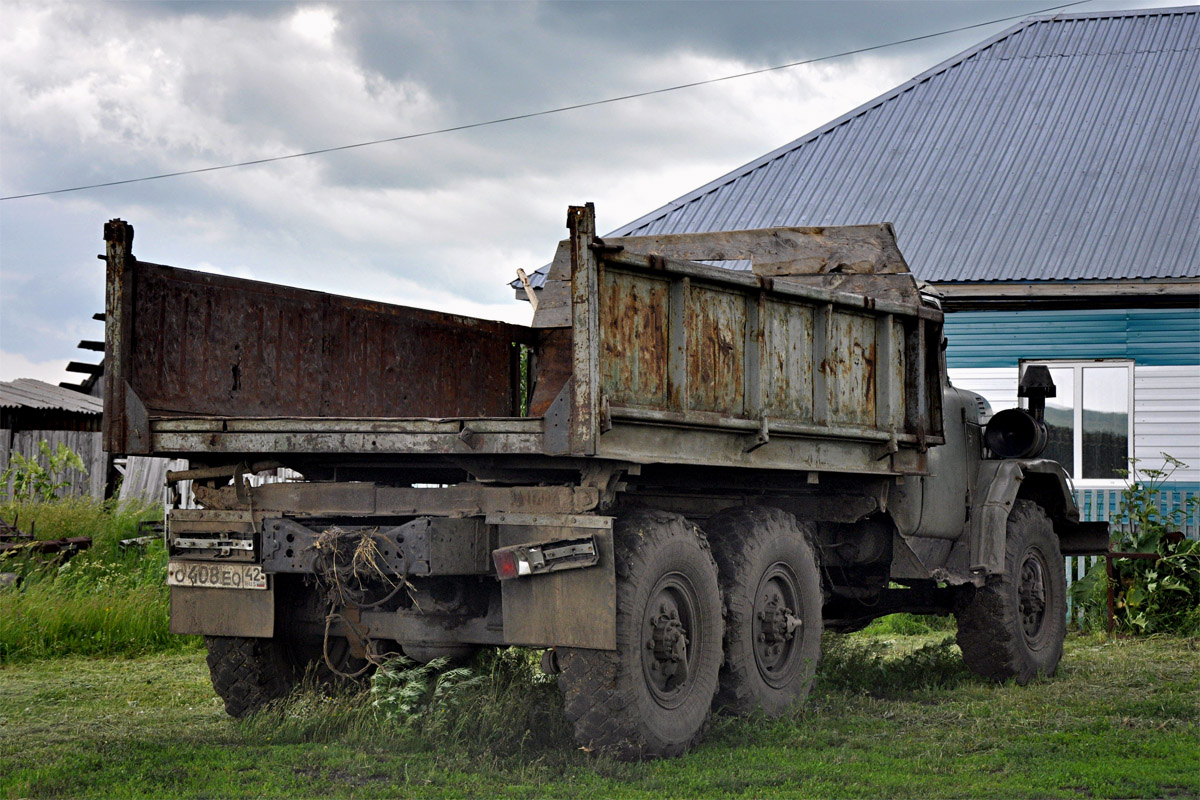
1064	148
30	393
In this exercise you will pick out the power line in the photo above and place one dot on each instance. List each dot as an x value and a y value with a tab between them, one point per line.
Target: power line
544	113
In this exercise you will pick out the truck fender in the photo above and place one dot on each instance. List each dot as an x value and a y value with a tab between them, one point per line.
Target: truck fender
999	484
996	487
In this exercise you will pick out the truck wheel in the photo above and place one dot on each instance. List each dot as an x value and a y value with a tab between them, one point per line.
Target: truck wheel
772	591
249	673
1013	627
651	697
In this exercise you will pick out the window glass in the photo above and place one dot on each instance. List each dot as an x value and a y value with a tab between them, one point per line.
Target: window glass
1105	421
1060	419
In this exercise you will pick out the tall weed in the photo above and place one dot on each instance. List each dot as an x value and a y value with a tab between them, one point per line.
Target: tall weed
501	704
104	601
1150	595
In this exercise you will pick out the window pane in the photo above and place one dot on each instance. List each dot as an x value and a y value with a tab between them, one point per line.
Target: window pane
1105	421
1060	419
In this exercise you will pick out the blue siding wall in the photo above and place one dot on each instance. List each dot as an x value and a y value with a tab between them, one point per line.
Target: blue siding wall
1158	337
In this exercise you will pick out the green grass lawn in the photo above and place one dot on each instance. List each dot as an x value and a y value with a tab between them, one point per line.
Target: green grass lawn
886	719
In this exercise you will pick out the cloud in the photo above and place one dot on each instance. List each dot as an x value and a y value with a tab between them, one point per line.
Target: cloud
15	365
96	92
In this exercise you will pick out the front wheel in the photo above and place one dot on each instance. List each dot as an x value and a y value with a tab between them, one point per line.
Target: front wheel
652	696
1013	627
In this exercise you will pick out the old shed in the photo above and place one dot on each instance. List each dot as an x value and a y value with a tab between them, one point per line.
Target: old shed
32	411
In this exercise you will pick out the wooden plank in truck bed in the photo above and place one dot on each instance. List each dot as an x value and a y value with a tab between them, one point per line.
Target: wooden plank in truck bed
337	437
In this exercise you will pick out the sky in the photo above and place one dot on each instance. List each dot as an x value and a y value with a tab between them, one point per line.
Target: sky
96	92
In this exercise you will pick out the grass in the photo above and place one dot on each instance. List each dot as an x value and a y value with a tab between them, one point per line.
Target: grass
103	602
98	700
891	715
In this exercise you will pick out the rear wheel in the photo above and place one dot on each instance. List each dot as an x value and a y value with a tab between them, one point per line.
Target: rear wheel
772	591
248	673
652	696
1013	627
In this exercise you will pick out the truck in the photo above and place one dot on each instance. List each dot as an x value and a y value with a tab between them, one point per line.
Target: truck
704	451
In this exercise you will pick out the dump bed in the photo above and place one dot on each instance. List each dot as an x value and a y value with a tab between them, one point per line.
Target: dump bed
821	356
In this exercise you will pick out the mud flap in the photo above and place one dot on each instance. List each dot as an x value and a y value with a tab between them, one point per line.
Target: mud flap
223	612
572	608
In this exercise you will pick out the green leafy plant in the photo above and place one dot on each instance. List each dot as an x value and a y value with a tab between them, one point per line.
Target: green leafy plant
501	702
33	480
1150	595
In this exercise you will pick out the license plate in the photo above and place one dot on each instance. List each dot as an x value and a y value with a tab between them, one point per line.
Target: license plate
206	575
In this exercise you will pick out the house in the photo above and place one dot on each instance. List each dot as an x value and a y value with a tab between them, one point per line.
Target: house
1047	182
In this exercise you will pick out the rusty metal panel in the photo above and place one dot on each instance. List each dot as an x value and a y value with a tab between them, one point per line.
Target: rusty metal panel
899	369
211	345
787	369
849	368
716	341
633	339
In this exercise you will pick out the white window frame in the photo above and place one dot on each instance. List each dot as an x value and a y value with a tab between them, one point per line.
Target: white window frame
1077	366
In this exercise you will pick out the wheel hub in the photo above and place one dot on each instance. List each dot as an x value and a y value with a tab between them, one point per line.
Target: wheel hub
1032	597
775	624
668	634
669	642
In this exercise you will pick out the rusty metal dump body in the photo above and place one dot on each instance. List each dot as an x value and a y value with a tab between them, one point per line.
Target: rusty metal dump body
646	356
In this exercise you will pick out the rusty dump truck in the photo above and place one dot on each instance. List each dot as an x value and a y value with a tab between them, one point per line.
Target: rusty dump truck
672	481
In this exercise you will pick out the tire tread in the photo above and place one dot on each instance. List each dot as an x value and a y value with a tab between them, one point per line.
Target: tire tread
598	687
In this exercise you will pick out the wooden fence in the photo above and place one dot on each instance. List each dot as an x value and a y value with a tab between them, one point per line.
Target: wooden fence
86	443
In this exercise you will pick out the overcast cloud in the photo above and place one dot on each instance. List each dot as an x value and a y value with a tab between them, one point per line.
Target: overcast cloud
92	92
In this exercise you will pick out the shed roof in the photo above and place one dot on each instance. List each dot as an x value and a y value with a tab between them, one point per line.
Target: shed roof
30	393
1062	149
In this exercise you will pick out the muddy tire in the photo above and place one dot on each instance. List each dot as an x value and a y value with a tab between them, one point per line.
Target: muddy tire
652	697
1014	626
772	589
249	673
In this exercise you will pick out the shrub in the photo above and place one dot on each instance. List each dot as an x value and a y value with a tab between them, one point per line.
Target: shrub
1150	595
32	480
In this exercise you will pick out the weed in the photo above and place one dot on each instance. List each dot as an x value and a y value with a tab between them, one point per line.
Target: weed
32	480
104	601
1150	595
501	704
876	666
910	625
